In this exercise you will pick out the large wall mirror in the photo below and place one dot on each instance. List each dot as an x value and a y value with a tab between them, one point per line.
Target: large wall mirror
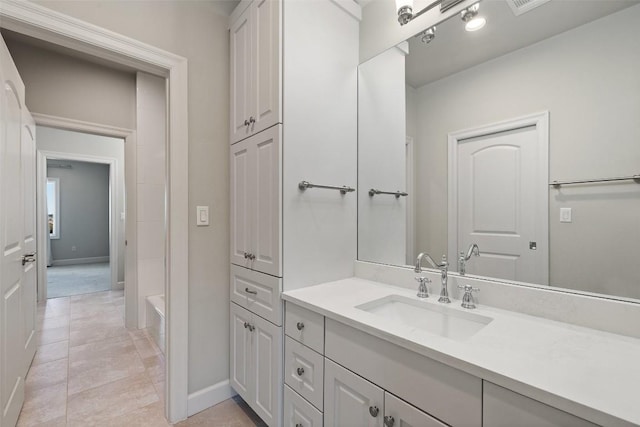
522	137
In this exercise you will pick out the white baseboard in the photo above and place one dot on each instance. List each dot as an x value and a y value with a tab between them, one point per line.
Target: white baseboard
208	397
74	261
119	286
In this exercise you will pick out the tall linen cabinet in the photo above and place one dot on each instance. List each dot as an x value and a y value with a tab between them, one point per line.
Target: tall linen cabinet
293	118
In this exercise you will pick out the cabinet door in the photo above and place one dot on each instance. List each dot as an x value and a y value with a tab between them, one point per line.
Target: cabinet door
241	177
298	412
241	372
504	408
266	245
241	73
398	413
266	340
267	62
350	400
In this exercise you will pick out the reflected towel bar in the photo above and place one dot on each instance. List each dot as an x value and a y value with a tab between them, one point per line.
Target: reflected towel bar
303	185
635	178
373	192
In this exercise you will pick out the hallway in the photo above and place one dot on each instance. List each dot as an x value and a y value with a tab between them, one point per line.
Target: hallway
91	371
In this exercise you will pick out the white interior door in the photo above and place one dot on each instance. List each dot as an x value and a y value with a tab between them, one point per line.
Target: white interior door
30	278
14	274
500	189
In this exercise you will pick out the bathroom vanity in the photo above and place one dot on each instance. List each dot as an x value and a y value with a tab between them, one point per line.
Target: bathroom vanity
379	366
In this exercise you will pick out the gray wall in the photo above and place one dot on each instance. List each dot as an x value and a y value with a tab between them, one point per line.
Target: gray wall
196	30
70	87
64	141
585	79
84	210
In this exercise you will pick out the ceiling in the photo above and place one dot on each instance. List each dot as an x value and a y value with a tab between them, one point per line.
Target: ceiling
455	49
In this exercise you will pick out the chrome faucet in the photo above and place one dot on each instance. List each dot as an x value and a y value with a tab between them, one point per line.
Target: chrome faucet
462	259
443	266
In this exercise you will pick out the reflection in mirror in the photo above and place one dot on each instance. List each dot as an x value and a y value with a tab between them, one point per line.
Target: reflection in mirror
476	127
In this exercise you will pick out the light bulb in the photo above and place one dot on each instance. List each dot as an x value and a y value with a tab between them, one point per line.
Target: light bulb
475	24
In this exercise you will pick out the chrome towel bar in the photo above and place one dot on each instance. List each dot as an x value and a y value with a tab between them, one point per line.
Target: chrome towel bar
373	192
303	185
636	178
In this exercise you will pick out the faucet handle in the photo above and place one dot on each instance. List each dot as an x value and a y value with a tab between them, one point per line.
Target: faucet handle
468	288
467	298
422	289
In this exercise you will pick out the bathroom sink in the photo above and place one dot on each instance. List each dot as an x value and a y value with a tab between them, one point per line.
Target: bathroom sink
436	319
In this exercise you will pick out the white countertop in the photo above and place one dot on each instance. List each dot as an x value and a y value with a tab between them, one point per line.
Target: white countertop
592	374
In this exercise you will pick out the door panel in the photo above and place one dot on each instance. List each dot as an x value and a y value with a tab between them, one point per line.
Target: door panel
267	354
267	184
241	204
240	76
497	205
350	399
266	68
241	374
29	288
11	242
401	414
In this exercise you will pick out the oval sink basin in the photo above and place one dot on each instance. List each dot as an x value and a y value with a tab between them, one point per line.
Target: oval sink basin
436	319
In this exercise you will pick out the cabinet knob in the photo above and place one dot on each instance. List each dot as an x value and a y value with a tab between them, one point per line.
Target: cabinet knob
246	122
246	255
252	120
251	327
299	425
300	371
300	326
246	325
373	411
389	421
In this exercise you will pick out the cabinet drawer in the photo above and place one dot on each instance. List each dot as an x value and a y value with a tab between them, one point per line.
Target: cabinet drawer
257	292
305	326
398	413
304	371
298	412
434	387
504	408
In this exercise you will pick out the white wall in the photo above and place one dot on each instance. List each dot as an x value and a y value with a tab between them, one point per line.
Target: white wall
585	78
63	141
196	30
320	140
381	157
150	189
84	210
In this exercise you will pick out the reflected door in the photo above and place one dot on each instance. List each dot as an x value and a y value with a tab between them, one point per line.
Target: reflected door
498	205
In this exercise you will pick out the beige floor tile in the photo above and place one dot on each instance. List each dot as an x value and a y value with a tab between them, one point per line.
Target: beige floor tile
45	323
50	352
89	369
101	404
230	413
155	367
149	416
44	406
86	336
52	335
111	318
138	334
160	390
47	374
147	348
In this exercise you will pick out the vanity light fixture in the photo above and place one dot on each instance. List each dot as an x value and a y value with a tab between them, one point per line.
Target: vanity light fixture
405	11
473	22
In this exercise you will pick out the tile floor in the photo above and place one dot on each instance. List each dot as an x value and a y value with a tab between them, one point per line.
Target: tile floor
91	371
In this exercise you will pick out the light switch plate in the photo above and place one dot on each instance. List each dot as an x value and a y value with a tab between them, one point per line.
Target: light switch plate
202	215
565	214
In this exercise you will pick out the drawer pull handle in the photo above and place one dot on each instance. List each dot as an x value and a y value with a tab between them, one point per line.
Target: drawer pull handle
249	326
299	425
300	326
373	410
249	291
300	371
389	421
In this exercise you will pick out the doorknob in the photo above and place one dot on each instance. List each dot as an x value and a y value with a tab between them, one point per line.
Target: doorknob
28	258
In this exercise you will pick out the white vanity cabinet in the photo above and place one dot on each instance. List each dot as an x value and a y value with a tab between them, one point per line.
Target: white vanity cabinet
256	182
255	69
255	345
505	408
